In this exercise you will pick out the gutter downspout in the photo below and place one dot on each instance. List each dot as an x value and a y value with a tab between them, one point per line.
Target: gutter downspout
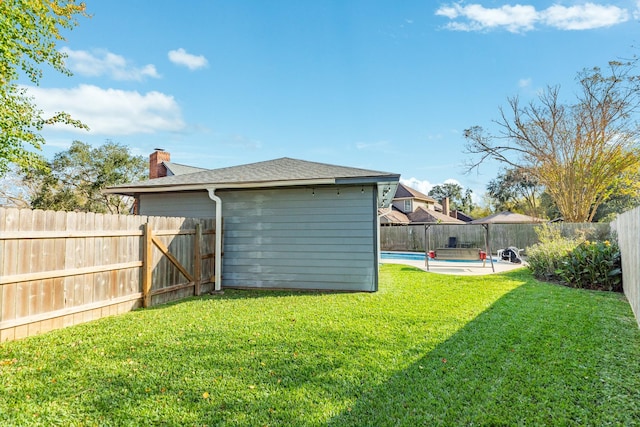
218	249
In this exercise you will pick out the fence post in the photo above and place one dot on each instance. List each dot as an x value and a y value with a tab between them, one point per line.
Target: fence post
197	259
147	264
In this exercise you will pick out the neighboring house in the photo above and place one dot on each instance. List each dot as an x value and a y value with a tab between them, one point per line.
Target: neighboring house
160	165
407	200
409	206
287	223
506	217
461	216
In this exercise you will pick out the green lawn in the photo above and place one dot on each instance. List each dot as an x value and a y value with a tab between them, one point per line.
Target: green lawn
426	349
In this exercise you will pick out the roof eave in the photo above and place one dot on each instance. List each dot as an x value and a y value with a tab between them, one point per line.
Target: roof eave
244	185
194	187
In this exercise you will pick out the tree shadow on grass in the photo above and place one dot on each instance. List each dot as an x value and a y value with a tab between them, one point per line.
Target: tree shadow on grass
540	355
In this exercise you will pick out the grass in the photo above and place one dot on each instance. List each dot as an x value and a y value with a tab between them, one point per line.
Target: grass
426	349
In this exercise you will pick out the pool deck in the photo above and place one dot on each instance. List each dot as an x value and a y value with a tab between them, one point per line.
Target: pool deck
459	268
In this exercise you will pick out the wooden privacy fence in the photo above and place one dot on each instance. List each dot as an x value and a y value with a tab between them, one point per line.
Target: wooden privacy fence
63	268
627	228
412	237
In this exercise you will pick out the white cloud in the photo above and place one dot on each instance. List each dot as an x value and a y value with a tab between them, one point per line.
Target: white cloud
522	18
422	186
192	62
513	18
524	83
101	62
584	17
373	146
425	186
111	111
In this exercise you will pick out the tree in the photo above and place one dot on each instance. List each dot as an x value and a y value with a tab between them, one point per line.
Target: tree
459	198
576	152
74	180
14	190
29	31
515	190
625	196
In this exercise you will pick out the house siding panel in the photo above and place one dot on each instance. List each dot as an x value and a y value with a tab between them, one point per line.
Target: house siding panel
297	238
194	204
300	238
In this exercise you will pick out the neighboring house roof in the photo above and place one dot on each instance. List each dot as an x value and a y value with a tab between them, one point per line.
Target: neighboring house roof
461	216
283	172
422	215
506	217
404	192
178	169
419	216
392	215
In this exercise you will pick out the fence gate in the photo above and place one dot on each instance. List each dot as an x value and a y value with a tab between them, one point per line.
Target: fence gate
63	268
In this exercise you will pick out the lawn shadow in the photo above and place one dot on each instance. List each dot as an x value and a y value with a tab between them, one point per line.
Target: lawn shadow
540	355
248	294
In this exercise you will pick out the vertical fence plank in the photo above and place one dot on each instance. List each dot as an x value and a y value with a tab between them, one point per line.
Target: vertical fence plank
147	265
70	263
24	265
37	264
59	254
88	280
48	291
9	267
197	258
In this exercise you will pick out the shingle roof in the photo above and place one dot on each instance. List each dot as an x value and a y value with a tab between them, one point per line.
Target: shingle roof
422	215
178	169
281	171
392	215
506	217
405	192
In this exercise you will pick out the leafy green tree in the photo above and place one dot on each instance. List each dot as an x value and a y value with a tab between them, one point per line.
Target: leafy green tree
625	196
576	152
459	198
515	190
74	180
29	32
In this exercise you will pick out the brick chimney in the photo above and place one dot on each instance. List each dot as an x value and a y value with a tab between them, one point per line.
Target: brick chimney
445	206
156	168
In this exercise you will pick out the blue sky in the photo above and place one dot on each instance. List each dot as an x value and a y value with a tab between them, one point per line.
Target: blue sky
383	85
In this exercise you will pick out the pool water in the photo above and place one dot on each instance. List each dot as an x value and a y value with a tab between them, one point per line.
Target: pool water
418	256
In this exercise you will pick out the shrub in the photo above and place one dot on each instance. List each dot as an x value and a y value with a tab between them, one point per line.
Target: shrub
544	259
575	262
593	265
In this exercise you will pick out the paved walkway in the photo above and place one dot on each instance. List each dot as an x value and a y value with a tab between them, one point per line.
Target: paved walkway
460	268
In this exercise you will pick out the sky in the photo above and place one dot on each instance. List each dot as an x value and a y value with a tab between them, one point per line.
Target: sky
382	85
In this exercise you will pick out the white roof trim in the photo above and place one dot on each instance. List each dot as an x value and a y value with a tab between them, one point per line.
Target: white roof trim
241	185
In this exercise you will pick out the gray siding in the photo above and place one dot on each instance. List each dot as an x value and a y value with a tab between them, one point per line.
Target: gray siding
194	204
297	238
300	238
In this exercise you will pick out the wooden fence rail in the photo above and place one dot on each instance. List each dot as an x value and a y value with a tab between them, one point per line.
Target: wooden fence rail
62	268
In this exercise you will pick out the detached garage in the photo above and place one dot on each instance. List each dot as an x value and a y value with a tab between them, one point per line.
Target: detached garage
287	223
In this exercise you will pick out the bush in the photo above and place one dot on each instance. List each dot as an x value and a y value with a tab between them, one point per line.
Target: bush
593	265
545	259
575	262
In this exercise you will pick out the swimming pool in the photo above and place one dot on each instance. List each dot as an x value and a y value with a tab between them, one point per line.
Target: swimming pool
419	256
